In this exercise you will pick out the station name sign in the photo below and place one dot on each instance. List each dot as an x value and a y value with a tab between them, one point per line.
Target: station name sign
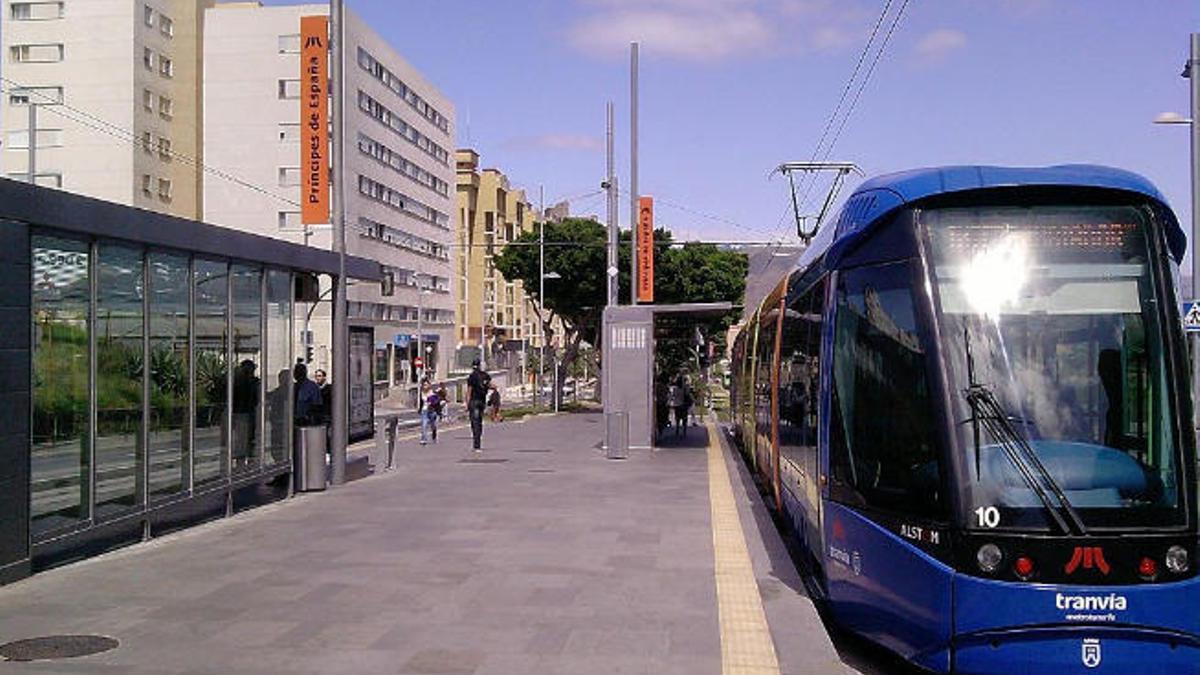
314	119
645	249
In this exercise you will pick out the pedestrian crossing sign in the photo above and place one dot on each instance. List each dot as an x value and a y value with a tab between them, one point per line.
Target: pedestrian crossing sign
1191	316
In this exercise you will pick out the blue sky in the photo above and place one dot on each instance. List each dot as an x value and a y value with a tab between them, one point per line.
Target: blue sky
730	88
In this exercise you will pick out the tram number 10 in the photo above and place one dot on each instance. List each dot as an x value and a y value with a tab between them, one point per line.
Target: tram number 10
989	516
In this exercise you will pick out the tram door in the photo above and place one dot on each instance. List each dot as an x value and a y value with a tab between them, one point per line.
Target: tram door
884	469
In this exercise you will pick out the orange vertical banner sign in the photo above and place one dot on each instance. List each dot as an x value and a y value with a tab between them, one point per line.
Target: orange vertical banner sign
314	119
645	253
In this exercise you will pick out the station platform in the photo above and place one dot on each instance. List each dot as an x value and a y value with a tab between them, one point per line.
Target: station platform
537	556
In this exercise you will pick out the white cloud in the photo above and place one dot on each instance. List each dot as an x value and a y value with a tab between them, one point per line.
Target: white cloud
705	35
940	42
714	30
554	141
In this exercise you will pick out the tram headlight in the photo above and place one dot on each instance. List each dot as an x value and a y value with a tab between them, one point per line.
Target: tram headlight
989	557
1177	559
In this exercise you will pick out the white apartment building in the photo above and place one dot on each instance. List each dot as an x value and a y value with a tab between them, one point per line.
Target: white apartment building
116	87
399	174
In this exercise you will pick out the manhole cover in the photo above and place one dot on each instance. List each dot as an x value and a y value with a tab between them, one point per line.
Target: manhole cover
534	450
482	461
56	647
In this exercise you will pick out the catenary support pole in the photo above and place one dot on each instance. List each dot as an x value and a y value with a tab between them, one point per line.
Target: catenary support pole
542	285
610	183
633	170
341	334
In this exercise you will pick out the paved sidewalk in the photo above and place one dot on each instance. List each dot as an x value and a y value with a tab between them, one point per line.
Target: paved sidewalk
539	557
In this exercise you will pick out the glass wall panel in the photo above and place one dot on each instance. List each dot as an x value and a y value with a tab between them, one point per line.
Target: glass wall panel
170	442
212	370
60	478
119	456
278	367
247	357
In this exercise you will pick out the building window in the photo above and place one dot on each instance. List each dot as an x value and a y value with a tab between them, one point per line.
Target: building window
46	138
147	185
166	107
166	67
164	189
47	53
289	89
148	100
148	16
164	149
36	11
148	59
402	90
289	176
289	44
289	220
40	95
166	26
289	132
147	142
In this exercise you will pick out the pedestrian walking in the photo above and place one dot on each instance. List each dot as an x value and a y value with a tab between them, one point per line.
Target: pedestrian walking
675	401
478	384
431	404
494	403
443	411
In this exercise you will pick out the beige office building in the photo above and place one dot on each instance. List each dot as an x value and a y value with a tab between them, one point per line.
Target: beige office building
399	132
116	88
492	310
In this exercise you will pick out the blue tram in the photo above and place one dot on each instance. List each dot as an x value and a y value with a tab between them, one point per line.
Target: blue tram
971	400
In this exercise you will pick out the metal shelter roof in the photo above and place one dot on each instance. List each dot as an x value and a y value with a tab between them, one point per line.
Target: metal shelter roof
48	207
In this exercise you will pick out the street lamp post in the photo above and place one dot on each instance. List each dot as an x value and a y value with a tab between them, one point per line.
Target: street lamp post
421	293
1192	71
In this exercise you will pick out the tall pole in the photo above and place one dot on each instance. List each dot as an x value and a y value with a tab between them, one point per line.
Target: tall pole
633	170
611	187
1193	74
420	336
341	334
32	138
542	285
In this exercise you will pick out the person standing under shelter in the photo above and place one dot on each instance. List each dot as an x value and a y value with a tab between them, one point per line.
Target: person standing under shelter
326	388
307	408
677	403
478	384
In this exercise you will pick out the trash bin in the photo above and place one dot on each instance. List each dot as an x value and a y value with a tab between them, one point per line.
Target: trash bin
308	461
616	436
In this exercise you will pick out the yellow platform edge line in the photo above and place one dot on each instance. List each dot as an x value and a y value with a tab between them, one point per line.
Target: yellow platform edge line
746	644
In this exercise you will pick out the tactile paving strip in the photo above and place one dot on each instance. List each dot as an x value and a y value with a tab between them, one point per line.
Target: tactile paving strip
746	645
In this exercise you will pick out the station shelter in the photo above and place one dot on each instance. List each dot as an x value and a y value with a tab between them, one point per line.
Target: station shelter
146	368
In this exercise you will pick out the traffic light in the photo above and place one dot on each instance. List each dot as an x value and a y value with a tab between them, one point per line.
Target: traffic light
308	354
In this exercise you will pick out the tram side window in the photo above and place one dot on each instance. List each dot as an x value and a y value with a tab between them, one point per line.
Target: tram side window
762	385
799	384
883	452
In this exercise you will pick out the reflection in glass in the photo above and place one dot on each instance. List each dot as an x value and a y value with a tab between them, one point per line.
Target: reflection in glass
247	355
1060	308
169	438
277	368
60	458
119	295
212	372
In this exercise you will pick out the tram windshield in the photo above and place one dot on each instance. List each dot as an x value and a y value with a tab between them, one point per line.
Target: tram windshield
1055	357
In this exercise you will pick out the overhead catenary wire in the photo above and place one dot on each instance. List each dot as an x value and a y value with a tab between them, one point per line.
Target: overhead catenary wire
98	124
810	180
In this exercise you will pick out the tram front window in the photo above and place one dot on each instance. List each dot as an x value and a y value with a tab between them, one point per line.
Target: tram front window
1050	316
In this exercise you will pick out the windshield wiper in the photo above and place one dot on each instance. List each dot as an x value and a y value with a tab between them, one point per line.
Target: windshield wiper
987	410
